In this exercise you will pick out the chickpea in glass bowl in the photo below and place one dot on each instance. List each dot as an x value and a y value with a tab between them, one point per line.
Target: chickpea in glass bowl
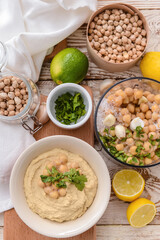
127	122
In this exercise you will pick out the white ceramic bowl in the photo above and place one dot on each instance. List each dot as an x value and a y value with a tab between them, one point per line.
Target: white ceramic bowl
93	213
71	88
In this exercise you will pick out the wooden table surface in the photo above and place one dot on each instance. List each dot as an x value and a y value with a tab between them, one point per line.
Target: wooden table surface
113	225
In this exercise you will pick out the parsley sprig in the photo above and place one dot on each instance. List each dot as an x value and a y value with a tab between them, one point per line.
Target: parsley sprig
139	131
73	176
69	108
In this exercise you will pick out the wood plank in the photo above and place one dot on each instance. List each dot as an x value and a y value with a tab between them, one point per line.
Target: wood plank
149	4
119	232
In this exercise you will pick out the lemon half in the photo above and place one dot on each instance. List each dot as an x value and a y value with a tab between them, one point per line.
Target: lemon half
141	212
128	185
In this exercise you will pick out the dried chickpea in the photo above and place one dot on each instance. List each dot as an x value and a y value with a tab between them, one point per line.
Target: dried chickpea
144	107
130	141
144	137
75	165
54	194
124	111
155	158
154	116
63	158
63	168
157	98
132	150
150	121
146	93
41	184
152	128
121	93
127	118
110	98
112	133
126	100
153	134
148	114
147	161
140	115
118	101
119	147
155	108
47	189
135	136
45	172
145	122
146	129
150	97
147	146
131	108
138	93
137	109
62	192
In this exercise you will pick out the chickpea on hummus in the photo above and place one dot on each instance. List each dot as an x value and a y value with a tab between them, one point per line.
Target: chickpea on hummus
59	185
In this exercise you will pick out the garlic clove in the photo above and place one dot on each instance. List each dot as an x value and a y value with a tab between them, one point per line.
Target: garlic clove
143	100
42	113
109	120
120	131
136	122
105	85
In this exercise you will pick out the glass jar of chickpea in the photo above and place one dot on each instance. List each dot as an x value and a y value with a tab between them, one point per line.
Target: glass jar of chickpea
19	97
127	122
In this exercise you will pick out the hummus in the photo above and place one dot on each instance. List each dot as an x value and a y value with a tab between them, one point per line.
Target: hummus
67	208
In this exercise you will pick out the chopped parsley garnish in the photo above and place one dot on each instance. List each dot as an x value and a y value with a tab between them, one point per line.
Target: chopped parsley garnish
69	108
128	131
135	160
139	131
139	148
124	139
151	141
106	130
141	163
73	176
112	128
142	156
108	142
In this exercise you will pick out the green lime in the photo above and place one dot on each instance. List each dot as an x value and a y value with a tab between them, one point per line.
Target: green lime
69	65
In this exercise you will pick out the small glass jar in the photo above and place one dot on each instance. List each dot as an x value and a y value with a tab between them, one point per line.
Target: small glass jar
33	102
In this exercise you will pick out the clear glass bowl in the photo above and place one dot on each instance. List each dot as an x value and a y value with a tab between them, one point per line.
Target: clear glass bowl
139	82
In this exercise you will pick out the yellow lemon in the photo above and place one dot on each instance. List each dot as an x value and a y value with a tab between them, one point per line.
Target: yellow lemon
141	212
150	65
128	185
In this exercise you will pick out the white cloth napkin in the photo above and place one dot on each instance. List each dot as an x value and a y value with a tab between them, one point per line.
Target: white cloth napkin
29	28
